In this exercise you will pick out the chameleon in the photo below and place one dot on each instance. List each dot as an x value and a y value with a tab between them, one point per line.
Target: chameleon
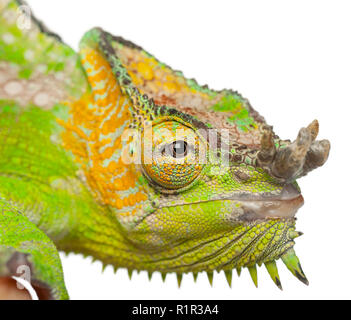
110	153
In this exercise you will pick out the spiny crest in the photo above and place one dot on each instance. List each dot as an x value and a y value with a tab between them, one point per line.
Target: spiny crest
143	109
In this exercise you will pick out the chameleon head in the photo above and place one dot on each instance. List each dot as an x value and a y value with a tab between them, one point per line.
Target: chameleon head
201	183
216	208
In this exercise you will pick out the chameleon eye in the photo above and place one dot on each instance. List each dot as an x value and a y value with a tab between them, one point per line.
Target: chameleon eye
178	149
176	155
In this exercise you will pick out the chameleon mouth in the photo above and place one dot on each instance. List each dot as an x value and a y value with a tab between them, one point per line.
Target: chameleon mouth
284	205
260	209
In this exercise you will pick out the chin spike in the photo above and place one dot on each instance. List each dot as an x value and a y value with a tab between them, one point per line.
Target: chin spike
210	277
163	275
149	274
293	264
253	274
229	276
130	274
273	272
195	274
295	234
238	271
179	279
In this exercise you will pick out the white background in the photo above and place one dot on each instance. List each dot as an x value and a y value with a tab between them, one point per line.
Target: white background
292	59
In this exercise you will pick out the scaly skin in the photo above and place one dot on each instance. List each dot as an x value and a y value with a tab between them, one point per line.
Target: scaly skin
89	163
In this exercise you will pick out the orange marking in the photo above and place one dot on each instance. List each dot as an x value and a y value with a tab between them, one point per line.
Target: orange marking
89	113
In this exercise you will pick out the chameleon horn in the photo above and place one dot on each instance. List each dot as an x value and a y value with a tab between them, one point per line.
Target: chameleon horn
301	156
288	163
268	150
317	155
313	127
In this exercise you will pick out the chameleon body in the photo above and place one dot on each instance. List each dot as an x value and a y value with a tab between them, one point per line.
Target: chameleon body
110	153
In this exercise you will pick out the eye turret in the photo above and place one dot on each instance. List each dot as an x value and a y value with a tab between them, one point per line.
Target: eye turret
177	155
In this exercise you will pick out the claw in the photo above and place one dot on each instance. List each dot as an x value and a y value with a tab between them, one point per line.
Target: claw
210	277
273	272
293	264
253	274
229	276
